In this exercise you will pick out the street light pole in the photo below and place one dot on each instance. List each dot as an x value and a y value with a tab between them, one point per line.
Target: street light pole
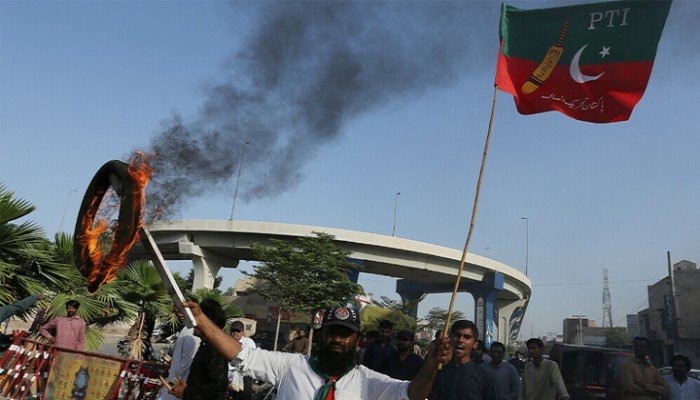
63	216
238	179
396	206
527	242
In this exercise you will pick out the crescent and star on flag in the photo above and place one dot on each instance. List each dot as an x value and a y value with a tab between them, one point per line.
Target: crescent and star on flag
552	56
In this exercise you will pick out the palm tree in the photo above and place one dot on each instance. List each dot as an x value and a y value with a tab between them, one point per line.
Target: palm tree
140	284
22	250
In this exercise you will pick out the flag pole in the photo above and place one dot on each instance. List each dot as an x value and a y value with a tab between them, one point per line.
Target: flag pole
473	217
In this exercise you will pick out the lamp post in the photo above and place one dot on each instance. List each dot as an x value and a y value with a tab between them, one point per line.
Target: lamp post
63	216
238	179
396	206
527	242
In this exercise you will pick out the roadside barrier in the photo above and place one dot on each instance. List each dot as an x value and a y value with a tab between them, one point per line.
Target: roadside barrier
31	370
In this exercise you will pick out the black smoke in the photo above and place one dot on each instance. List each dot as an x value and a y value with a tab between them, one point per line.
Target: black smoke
307	70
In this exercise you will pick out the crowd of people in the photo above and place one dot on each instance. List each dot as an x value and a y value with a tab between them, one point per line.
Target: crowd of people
211	364
456	367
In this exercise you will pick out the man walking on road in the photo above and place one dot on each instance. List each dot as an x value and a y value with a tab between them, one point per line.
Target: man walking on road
70	329
541	378
640	380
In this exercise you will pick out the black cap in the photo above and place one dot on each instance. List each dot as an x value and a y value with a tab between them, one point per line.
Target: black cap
342	316
404	335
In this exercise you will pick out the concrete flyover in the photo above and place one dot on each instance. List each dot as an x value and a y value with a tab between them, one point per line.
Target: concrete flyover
501	293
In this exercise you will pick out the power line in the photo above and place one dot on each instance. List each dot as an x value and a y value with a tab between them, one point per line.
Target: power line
592	283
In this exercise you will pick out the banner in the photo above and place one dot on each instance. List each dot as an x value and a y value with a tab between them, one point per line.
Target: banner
76	376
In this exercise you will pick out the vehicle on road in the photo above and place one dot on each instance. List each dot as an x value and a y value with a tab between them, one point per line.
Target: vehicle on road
590	372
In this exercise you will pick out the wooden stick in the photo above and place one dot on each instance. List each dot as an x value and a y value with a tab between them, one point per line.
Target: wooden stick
170	285
473	218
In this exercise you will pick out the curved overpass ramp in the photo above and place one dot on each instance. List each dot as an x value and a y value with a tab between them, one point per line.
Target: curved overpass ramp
501	292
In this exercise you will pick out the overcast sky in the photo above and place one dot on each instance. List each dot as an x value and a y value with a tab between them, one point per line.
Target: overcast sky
85	82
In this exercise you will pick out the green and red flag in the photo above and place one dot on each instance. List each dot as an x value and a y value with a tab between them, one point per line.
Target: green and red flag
591	62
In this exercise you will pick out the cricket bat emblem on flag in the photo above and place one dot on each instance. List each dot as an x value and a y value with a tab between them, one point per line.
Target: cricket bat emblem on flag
595	70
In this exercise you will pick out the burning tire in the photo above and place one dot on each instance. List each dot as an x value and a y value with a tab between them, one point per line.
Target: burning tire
97	267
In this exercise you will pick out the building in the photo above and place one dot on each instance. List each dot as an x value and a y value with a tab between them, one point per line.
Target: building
574	329
672	323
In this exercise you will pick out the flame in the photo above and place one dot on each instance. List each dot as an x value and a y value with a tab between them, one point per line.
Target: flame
105	265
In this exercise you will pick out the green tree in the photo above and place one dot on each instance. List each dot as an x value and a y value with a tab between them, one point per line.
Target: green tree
304	276
406	307
616	338
141	285
436	317
27	264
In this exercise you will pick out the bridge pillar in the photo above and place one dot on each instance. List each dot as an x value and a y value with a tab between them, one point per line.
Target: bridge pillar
510	318
410	292
485	294
206	264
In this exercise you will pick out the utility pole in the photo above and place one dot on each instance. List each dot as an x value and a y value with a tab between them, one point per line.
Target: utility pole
396	206
238	179
607	301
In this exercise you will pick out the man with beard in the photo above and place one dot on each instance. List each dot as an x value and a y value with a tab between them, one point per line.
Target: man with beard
70	329
380	351
462	378
405	364
330	375
641	381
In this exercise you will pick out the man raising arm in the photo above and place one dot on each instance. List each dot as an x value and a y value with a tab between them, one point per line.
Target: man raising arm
332	373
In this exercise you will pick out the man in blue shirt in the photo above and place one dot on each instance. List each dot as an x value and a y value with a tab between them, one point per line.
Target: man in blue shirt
504	375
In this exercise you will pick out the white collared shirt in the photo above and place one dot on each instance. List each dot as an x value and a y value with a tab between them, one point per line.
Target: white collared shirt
688	390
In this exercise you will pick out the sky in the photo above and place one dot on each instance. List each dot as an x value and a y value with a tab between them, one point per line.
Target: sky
85	82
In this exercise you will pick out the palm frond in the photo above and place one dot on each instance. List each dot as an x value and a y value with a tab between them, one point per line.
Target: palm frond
12	208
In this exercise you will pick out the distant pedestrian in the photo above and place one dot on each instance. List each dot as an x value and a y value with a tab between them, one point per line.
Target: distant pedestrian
379	351
504	375
186	346
69	329
300	343
518	361
640	380
480	354
679	386
405	364
541	378
461	378
240	386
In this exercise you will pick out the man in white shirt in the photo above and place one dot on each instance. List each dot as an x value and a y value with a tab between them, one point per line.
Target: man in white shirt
332	373
185	348
680	386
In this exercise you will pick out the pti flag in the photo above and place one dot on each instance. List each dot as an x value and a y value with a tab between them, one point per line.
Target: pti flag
591	62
